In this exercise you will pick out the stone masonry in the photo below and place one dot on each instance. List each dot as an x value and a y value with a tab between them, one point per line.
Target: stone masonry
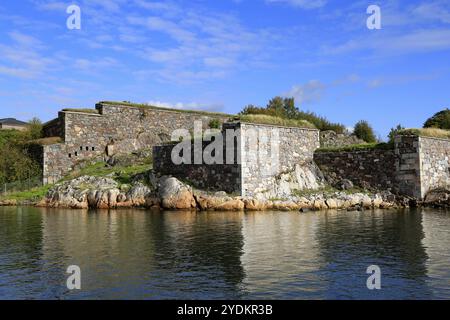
370	169
262	153
413	167
113	129
269	159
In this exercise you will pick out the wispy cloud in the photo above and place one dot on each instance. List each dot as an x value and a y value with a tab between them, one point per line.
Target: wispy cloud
309	92
189	105
23	58
304	4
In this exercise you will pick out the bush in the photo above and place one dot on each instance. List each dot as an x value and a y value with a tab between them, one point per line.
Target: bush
364	131
440	120
427	132
265	119
394	132
214	124
285	108
16	160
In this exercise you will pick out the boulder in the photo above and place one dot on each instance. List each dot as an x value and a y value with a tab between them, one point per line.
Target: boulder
331	203
255	205
175	195
344	184
137	194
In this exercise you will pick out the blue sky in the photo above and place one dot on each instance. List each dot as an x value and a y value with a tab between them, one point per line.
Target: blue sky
224	54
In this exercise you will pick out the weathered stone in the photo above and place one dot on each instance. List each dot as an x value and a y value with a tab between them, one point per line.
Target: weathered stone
175	195
331	203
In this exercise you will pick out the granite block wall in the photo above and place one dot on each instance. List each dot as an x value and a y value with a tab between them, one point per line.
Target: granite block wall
261	153
115	129
213	177
370	169
267	151
415	166
408	172
434	164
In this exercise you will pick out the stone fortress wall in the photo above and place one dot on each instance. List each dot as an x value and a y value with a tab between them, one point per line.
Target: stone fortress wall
112	129
413	167
434	159
275	151
261	153
369	169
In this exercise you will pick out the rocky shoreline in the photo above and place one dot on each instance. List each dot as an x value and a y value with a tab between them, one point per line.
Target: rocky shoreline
168	193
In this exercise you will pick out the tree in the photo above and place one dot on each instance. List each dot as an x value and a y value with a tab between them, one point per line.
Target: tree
35	128
285	108
364	131
16	160
439	120
394	132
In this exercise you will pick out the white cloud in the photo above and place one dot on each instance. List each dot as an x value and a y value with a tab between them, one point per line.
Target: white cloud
23	58
405	43
303	4
309	92
188	106
437	10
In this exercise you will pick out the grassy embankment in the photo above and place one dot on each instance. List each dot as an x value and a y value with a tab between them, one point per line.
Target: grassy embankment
122	174
427	132
277	121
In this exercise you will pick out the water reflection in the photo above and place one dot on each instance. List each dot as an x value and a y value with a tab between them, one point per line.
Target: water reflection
137	254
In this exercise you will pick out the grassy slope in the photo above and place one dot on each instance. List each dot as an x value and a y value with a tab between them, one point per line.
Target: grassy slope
123	175
265	119
427	132
359	147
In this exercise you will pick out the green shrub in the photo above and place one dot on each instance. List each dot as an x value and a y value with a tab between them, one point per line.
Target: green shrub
16	161
215	124
364	131
427	132
265	119
394	132
285	108
440	120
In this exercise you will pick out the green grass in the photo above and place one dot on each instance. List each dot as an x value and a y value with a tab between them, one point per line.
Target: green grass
92	111
359	147
265	119
47	141
147	106
122	174
426	132
31	195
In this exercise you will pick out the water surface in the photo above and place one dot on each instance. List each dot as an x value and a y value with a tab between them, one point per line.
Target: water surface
138	254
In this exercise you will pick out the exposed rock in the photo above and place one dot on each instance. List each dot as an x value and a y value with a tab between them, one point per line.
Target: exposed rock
231	205
172	194
305	176
257	205
344	184
438	198
175	195
285	205
331	203
138	194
